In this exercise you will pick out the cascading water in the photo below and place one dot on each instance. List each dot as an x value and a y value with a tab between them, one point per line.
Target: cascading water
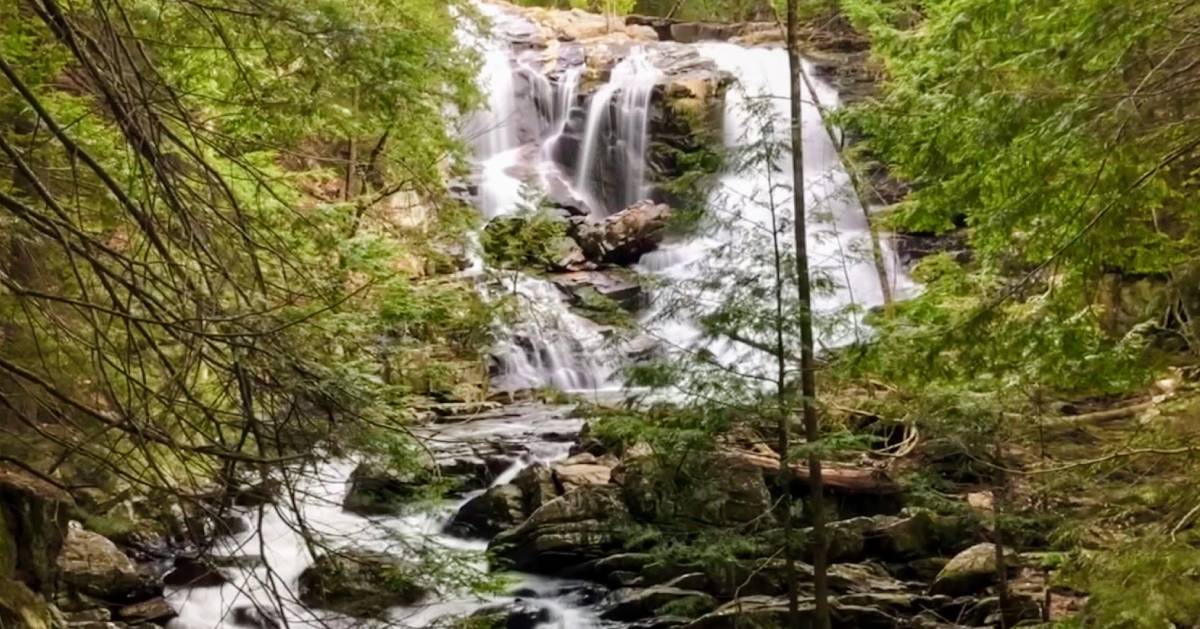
612	163
839	242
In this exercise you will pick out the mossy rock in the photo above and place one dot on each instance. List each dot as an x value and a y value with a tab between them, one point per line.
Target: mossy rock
20	607
363	584
379	489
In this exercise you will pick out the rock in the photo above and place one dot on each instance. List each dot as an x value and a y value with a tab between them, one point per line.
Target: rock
537	486
33	521
377	490
580	471
520	614
969	571
359	583
98	614
155	610
1021	607
256	618
95	566
623	237
721	491
766	611
20	607
582	287
487	514
584	524
634	604
194	572
257	494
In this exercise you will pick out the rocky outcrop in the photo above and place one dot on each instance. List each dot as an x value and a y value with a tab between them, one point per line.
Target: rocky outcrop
581	470
583	288
623	237
359	583
969	571
633	603
722	491
91	564
487	514
584	524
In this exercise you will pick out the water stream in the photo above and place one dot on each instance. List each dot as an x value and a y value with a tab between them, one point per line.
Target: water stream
548	344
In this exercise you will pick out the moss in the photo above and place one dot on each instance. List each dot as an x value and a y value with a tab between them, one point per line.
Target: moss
8	546
19	607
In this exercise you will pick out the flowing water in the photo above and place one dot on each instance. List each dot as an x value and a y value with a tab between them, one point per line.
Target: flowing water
547	344
614	142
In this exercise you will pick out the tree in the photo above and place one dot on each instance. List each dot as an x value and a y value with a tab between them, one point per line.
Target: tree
808	388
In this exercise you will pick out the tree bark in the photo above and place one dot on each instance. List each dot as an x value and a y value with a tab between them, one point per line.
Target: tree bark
808	387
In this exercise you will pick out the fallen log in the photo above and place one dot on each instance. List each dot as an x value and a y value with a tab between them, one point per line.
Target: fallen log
837	477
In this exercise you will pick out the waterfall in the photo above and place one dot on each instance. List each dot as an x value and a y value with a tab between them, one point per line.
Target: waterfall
616	135
839	239
565	92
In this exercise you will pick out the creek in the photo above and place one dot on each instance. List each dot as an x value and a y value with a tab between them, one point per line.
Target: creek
546	127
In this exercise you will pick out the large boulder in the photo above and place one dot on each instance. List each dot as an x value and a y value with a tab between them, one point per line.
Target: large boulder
623	237
719	491
487	514
969	571
359	583
587	523
91	564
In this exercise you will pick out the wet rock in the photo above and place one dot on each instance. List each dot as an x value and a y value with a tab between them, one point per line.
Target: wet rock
520	614
376	489
487	514
256	618
584	524
359	583
969	571
93	565
633	604
582	287
257	494
623	237
194	572
155	610
20	607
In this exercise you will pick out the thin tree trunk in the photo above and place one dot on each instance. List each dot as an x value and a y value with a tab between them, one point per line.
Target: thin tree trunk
808	386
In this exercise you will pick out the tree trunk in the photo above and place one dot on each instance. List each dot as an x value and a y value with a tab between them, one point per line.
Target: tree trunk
808	385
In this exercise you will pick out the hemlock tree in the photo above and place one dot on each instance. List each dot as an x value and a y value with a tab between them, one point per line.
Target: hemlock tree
808	388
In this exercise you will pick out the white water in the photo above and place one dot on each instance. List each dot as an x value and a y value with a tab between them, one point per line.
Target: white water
839	239
267	567
616	132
